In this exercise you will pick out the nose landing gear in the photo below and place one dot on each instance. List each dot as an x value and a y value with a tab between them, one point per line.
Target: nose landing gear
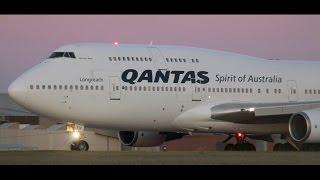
241	145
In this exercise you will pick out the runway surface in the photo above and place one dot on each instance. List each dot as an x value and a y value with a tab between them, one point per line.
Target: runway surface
156	158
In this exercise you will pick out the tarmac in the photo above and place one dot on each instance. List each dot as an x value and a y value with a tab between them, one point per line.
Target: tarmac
158	158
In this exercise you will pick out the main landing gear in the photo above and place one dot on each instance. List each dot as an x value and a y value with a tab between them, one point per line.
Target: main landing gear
241	145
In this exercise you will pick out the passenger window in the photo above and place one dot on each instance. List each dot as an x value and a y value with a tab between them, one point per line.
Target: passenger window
149	88
203	89
66	87
179	89
213	89
132	58
247	90
242	90
167	59
171	59
97	87
81	87
279	91
31	86
145	59
180	60
124	58
259	90
310	91
153	88
230	90
37	86
158	88
218	89
192	60
209	89
139	88
56	55
76	87
238	90
135	88
234	90
267	91
226	90
101	87
87	87
197	60
184	60
130	88
110	59
60	87
49	86
141	59
150	59
128	58
175	59
314	92
184	89
55	87
71	87
306	91
43	87
170	88
144	88
115	58
167	88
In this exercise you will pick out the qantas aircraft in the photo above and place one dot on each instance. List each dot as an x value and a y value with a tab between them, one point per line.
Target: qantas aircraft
155	93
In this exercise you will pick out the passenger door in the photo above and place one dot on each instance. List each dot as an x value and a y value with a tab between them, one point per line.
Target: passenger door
196	93
114	88
292	91
157	58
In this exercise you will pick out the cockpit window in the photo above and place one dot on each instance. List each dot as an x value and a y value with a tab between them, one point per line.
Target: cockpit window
62	54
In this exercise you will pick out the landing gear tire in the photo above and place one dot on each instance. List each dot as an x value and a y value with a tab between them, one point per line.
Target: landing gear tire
283	147
229	147
240	147
79	146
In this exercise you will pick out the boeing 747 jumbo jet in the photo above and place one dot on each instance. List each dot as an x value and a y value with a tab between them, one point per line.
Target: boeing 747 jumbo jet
151	94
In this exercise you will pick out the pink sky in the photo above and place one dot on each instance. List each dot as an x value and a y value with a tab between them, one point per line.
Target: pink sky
25	39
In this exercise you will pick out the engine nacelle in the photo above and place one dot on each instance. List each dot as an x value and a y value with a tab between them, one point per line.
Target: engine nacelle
146	138
304	126
141	138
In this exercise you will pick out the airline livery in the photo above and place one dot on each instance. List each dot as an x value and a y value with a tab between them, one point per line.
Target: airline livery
151	94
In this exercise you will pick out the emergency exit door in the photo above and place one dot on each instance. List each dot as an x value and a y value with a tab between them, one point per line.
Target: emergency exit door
114	88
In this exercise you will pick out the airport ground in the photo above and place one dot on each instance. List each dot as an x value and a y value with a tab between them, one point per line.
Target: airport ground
158	158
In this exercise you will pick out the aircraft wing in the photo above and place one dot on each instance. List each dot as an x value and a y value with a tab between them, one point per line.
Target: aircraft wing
259	113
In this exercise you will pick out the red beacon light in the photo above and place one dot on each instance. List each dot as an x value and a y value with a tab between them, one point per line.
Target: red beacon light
240	135
116	43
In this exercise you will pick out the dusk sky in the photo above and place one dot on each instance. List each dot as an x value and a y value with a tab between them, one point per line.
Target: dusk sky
26	39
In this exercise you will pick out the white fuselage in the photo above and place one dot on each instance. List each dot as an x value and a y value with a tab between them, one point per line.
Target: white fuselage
146	105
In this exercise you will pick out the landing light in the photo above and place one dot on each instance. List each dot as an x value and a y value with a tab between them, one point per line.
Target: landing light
76	134
116	43
251	109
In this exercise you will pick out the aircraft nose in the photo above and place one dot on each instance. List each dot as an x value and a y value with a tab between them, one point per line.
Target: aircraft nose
17	91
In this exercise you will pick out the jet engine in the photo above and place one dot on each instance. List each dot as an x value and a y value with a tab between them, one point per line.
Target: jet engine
304	126
146	138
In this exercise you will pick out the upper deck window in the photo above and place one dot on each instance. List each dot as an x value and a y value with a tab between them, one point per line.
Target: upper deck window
62	54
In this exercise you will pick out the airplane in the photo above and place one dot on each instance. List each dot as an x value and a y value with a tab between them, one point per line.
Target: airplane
151	94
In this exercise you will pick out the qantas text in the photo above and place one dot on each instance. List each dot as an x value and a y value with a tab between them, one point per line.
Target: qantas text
132	76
